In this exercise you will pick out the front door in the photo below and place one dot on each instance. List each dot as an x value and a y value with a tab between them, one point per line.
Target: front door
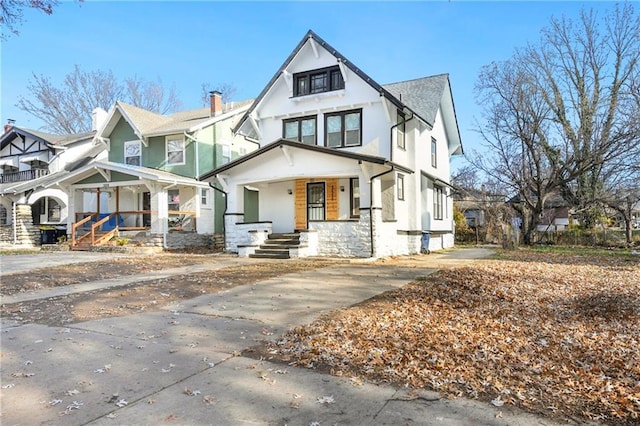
315	202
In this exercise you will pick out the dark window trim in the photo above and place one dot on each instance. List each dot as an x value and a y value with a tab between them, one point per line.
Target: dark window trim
401	130
342	114
308	77
351	208
300	120
400	186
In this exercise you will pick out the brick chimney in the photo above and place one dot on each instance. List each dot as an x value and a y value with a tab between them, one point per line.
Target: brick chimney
9	125
216	103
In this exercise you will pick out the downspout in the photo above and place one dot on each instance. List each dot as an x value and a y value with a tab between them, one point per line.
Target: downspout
371	204
224	213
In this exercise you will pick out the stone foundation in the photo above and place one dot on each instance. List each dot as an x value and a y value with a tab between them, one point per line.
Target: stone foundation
27	234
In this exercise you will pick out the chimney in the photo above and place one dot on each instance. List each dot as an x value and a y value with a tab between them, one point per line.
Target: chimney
9	125
98	117
216	103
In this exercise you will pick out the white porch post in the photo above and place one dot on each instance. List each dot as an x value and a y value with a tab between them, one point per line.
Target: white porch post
159	209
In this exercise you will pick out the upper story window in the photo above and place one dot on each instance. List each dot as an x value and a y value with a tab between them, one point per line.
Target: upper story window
301	129
401	130
343	129
434	153
317	81
133	153
175	150
226	154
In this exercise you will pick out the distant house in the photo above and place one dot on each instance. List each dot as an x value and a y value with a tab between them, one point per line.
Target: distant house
346	166
476	205
556	215
148	183
29	161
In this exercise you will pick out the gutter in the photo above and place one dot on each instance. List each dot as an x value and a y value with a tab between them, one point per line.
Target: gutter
371	203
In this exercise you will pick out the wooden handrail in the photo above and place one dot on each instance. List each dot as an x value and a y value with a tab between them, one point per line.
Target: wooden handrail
99	224
76	225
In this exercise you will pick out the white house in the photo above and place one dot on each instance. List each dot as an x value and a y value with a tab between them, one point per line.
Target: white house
346	166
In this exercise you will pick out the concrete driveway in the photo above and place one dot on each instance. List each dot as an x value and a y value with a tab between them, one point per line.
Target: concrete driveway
13	263
183	365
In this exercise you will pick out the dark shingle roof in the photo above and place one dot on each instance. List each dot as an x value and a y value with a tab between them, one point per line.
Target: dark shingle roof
422	95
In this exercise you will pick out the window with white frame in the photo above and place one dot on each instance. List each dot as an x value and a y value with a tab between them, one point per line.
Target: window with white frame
204	197
438	196
226	154
173	196
434	153
401	130
400	186
355	197
133	153
175	150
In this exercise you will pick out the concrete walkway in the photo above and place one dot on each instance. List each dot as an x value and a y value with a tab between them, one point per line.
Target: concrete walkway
182	365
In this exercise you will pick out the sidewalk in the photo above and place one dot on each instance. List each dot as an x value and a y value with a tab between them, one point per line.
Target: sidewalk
182	365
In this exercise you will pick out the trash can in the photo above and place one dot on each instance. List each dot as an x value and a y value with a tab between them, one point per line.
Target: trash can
424	249
47	235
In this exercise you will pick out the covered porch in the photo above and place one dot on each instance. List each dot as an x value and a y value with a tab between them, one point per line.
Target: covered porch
112	200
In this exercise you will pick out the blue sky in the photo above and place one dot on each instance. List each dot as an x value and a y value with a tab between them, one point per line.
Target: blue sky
244	43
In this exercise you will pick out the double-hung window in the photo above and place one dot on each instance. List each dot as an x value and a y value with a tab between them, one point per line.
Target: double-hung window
400	186
301	129
318	81
401	130
438	202
434	153
175	150
354	184
204	197
343	129
133	153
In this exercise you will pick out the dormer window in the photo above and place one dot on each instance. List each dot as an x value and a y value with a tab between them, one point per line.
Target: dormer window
318	81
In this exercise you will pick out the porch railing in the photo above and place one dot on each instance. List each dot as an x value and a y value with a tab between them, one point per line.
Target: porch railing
23	175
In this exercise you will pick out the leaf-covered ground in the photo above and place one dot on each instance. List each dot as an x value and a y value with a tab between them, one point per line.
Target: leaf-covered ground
550	332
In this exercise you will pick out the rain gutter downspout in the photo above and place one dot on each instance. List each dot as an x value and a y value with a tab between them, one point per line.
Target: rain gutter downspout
371	203
224	213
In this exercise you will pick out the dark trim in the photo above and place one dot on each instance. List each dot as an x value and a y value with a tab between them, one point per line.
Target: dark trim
299	120
389	220
308	76
335	221
401	123
233	214
409	232
343	129
251	223
437	180
295	144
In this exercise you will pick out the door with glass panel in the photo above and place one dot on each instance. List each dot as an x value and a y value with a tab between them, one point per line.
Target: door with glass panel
315	201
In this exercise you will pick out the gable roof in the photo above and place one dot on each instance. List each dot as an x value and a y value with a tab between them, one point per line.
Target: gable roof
49	138
299	145
147	124
421	96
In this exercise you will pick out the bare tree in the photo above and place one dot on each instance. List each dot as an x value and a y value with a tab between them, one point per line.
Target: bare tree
228	91
556	113
67	108
11	13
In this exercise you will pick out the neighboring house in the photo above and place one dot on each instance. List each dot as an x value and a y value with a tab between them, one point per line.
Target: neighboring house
148	182
29	160
346	166
556	215
477	205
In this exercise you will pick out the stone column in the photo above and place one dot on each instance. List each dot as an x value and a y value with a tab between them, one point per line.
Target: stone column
27	234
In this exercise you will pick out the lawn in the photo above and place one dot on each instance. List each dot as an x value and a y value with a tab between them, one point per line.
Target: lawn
552	331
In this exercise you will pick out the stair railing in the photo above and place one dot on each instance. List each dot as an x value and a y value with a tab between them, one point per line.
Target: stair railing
75	226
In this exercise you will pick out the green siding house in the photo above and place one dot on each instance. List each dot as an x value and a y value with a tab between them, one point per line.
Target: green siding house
149	181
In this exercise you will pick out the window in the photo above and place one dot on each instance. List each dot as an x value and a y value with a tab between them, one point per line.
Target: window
226	154
301	129
204	197
400	185
132	153
175	150
437	202
318	81
343	129
173	196
434	153
354	184
401	130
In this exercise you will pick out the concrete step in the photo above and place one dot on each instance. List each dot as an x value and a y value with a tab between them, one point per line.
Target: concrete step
262	255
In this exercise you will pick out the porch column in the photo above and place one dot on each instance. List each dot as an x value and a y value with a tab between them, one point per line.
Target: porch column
159	209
